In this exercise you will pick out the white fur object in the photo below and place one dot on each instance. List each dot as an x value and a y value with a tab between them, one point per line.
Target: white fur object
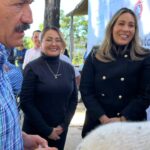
118	136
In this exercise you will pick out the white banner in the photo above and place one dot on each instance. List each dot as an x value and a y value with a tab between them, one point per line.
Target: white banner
100	11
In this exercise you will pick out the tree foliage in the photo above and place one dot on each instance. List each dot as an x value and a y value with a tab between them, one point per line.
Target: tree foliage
80	28
28	42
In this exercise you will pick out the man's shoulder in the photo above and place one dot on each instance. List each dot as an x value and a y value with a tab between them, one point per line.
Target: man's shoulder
65	58
36	62
29	51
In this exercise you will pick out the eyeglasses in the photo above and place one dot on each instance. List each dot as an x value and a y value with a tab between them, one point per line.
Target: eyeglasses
51	40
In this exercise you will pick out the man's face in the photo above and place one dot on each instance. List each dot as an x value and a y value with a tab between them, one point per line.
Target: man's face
15	15
36	40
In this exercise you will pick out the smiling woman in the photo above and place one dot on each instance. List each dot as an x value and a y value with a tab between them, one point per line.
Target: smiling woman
115	83
124	29
52	42
49	92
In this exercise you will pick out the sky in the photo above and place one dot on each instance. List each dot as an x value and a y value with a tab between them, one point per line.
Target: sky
38	12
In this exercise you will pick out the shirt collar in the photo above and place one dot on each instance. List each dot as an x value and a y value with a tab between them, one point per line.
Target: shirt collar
4	53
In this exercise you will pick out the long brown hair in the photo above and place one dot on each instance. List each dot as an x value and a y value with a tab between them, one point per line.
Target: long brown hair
134	47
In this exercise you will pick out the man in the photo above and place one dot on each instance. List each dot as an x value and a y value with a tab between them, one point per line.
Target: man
20	54
15	17
34	52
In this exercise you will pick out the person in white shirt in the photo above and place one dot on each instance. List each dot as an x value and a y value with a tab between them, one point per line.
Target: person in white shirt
34	52
77	73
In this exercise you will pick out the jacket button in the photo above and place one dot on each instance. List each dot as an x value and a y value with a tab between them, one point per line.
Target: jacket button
120	96
122	79
104	77
102	94
125	56
118	114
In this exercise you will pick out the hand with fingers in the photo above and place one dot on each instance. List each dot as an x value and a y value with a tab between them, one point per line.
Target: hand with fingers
55	135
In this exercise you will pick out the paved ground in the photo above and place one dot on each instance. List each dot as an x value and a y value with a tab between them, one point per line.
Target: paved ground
74	133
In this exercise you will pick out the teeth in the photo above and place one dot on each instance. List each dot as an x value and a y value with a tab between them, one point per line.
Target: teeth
124	36
53	49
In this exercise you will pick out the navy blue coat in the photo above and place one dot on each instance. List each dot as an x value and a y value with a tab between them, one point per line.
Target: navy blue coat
48	102
116	88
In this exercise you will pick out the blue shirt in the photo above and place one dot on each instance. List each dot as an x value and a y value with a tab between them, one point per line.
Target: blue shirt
15	76
20	54
10	131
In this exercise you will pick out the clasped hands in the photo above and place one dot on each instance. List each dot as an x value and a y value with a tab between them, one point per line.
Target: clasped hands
57	131
104	119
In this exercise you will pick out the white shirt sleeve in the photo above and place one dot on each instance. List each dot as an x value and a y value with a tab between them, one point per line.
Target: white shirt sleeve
77	73
66	59
26	59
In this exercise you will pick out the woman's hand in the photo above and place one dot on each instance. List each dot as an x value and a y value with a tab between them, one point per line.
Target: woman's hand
59	130
118	119
104	119
55	133
115	119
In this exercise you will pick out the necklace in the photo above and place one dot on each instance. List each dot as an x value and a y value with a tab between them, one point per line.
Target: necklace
56	75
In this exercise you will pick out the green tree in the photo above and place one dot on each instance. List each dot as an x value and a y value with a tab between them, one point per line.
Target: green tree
28	42
80	35
80	29
77	58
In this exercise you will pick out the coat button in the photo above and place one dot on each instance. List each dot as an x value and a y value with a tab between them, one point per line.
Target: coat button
104	77
120	96
118	114
102	94
125	56
122	79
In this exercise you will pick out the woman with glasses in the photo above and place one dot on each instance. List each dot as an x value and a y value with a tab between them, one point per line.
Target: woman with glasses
49	93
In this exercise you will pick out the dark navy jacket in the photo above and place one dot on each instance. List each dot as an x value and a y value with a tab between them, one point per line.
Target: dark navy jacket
116	88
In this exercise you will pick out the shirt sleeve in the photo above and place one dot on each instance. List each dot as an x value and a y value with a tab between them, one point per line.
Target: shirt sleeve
26	59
